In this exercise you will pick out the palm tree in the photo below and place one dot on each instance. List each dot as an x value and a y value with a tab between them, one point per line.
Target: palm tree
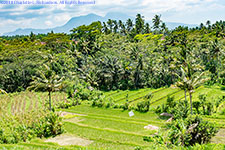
105	28
147	28
139	24
191	79
47	80
122	27
201	26
182	83
115	28
208	23
156	21
129	25
110	24
196	80
164	28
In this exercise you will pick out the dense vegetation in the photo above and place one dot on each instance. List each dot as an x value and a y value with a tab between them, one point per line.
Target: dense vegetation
117	65
116	55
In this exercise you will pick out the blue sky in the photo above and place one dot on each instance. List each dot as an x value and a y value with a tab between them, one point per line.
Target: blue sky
13	17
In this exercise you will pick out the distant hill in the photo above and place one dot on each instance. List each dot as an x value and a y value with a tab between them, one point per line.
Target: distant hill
85	20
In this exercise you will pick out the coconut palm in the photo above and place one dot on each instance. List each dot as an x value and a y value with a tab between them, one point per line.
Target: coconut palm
139	24
196	80
129	25
47	80
191	79
182	83
156	21
208	23
110	24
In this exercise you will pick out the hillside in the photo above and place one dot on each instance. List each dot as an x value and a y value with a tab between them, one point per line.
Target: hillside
86	20
108	127
114	85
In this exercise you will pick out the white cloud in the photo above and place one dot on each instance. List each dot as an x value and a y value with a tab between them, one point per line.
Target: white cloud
48	23
55	15
62	17
22	22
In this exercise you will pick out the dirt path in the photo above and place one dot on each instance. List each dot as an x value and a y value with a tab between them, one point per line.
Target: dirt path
219	138
69	140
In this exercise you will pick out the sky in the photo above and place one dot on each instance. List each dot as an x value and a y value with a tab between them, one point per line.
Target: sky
14	16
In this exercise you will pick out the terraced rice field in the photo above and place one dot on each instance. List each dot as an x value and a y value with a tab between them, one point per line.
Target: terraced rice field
106	127
28	101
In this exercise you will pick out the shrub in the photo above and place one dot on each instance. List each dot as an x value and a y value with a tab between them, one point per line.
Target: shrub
69	103
49	125
181	110
143	106
98	103
191	131
107	105
170	104
14	129
125	106
63	105
83	92
177	109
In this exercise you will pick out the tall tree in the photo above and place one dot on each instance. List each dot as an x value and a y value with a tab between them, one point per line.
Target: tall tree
139	24
156	22
164	28
208	23
129	25
110	24
122	27
105	28
191	79
47	80
147	28
115	26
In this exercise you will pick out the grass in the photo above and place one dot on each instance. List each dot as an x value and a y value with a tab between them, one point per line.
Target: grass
106	127
27	101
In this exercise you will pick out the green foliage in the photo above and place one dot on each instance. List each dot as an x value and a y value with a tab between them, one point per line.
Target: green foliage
125	106
158	139
206	107
143	106
83	91
49	125
47	80
14	129
177	109
191	131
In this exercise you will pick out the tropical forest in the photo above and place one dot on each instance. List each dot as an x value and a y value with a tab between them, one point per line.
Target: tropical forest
123	85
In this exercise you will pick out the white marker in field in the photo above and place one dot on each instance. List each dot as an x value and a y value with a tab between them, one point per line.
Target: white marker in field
131	113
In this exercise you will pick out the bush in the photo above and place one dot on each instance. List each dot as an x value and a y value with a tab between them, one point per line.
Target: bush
177	109
14	129
69	103
191	131
143	106
83	92
125	106
98	103
49	125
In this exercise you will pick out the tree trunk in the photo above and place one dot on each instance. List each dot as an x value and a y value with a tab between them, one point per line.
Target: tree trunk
50	104
191	101
185	93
